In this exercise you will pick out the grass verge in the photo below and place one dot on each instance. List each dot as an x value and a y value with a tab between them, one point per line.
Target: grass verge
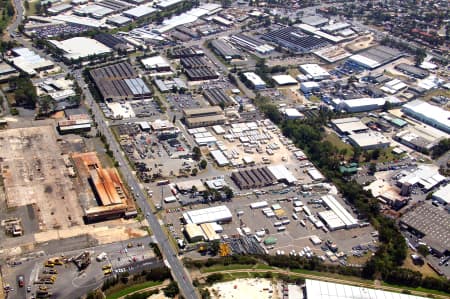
133	289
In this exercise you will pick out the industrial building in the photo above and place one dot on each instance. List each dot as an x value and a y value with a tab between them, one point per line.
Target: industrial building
74	125
332	28
251	44
167	85
80	48
442	195
292	113
349	125
201	117
282	174
218	97
369	141
156	63
425	176
431	225
118	21
315	20
111	41
412	70
253	178
193	233
225	50
361	105
201	73
415	141
316	289
332	54
255	80
209	230
140	11
57	9
294	40
219	158
309	86
345	218
219	214
314	72
119	82
376	57
284	80
429	114
113	200
29	62
182	52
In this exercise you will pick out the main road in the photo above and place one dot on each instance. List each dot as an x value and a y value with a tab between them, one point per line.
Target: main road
178	270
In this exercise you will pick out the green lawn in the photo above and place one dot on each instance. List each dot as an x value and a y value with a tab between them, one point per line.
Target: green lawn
339	144
263	267
419	289
133	288
225	268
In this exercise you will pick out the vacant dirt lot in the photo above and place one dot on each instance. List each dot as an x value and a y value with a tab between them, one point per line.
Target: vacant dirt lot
34	172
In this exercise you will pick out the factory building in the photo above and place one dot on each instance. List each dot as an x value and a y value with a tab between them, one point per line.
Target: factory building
29	62
140	11
251	44
442	195
201	117
156	63
218	97
284	80
255	80
219	214
349	125
220	158
369	141
429	114
193	233
361	105
376	57
113	200
314	72
426	177
80	48
345	218
412	71
253	178
223	49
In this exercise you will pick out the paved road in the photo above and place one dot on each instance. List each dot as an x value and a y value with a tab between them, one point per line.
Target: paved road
18	18
184	282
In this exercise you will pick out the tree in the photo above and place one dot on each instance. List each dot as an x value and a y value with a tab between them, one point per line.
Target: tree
203	164
372	168
228	192
196	153
423	250
194	172
171	290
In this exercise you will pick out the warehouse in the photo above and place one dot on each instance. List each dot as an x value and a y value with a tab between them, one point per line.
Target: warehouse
430	224
218	97
156	63
164	4
193	233
442	195
309	86
412	71
315	175
167	85
225	50
315	289
253	178
182	52
315	20
201	74
29	62
349	125
284	80
140	11
80	47
251	44
282	174
201	117
294	40
332	221
193	62
118	21
57	9
292	113
362	105
426	177
429	114
219	214
119	82
220	158
314	72
111	41
348	220
94	11
74	126
255	80
376	57
332	54
369	141
209	232
335	27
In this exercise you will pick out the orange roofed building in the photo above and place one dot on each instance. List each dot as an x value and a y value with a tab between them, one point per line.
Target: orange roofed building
111	195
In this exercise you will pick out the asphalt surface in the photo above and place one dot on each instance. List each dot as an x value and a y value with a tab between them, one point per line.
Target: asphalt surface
178	271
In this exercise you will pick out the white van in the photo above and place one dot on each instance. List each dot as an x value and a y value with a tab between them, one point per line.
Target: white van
294	216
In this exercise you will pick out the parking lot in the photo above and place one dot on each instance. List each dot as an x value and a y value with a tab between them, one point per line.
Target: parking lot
296	236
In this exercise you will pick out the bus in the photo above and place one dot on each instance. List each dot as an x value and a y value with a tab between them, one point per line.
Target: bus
162	182
281	228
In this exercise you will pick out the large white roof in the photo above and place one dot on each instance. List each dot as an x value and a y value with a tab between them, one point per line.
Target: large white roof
443	194
212	214
328	290
284	79
340	211
254	78
139	11
280	172
364	61
79	47
427	111
314	70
